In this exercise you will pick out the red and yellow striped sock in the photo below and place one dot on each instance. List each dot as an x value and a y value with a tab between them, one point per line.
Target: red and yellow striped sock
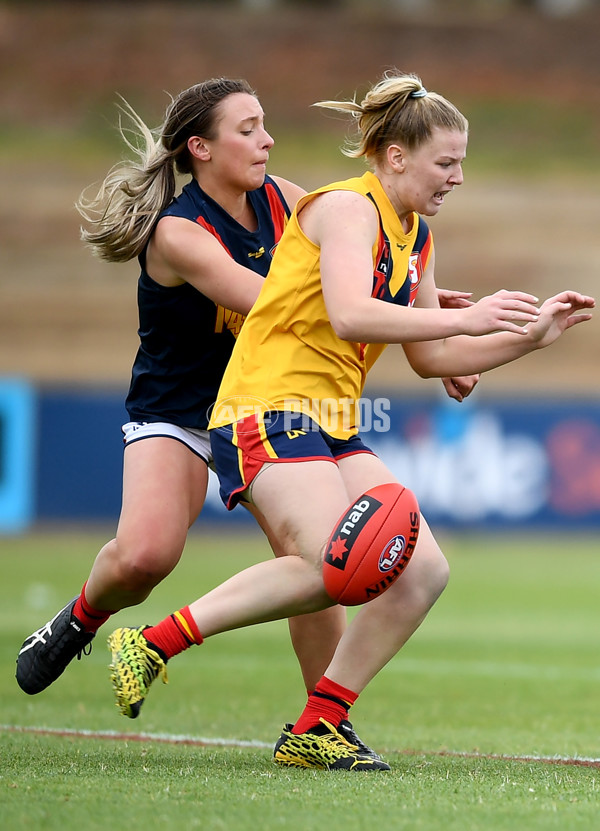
175	633
330	701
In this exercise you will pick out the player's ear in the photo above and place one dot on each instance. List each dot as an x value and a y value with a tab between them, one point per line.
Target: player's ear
396	158
198	148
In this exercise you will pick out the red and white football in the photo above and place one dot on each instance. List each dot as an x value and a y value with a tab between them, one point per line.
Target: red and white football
371	545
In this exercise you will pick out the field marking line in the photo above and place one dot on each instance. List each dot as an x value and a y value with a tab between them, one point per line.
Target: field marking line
574	761
198	741
158	738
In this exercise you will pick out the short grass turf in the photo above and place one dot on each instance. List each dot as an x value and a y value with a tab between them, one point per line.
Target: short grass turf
488	716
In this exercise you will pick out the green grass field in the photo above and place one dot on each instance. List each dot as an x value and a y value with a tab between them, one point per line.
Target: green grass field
488	716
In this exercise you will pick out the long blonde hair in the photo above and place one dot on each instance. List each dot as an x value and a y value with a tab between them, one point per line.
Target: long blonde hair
122	215
396	109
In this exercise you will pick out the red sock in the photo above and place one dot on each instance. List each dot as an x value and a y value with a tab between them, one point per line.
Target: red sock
330	701
91	619
175	633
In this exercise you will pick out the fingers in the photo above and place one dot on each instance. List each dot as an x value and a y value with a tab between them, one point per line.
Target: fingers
578	318
513	311
555	306
521	310
516	310
454	293
451	389
515	299
457	303
459	388
466	384
450	299
575	299
568	301
517	295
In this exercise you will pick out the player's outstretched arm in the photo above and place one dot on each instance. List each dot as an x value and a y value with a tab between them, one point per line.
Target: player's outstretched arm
466	355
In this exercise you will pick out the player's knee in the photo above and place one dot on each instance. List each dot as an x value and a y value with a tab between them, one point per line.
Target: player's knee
439	575
434	573
145	565
424	581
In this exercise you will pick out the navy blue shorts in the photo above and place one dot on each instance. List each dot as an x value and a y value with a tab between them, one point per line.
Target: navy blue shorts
242	448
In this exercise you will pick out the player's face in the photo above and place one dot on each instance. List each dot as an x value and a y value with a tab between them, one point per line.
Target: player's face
240	151
432	170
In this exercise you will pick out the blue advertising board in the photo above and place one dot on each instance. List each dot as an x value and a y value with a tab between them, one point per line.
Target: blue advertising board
17	448
80	454
484	464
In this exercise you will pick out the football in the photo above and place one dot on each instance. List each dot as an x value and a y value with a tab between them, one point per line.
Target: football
371	544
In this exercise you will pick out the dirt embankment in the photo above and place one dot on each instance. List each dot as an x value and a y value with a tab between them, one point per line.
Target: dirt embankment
65	317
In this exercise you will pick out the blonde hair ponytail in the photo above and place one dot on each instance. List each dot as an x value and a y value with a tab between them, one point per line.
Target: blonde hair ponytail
122	215
396	109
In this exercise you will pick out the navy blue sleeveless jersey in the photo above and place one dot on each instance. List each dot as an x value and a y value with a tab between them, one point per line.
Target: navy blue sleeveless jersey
185	338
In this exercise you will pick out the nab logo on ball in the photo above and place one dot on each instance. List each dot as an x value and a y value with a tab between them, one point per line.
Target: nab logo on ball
392	553
348	530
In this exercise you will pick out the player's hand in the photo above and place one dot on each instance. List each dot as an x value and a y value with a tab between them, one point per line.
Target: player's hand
559	313
449	299
504	311
460	388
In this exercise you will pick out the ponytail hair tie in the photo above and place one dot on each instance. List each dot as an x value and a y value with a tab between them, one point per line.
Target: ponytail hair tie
418	93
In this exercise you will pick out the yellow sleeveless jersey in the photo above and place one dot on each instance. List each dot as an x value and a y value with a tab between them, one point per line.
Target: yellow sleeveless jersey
288	356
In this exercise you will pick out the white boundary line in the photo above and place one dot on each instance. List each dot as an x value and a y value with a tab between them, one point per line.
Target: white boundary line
198	741
115	735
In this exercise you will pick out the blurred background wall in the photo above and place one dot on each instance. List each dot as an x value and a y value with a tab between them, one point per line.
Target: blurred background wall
526	73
